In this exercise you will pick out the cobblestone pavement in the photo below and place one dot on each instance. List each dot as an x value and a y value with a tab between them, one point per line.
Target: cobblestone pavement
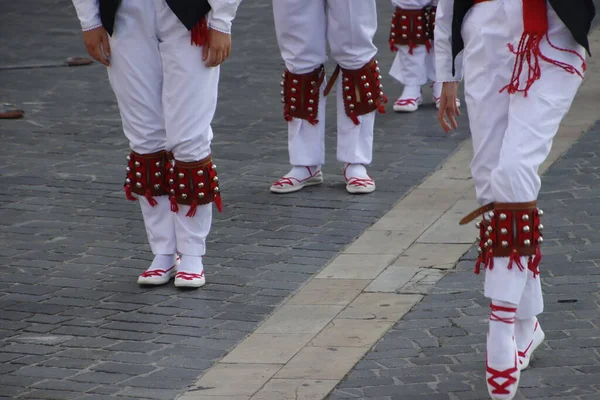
437	351
73	323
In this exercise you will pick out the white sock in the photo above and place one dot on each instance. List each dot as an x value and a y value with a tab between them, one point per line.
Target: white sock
191	264
500	342
302	173
524	332
437	89
411	92
356	171
162	261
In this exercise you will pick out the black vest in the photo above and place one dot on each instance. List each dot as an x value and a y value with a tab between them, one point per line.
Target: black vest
189	12
577	15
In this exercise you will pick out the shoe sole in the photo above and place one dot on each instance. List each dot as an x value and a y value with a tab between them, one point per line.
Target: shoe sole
188	284
150	282
292	189
367	190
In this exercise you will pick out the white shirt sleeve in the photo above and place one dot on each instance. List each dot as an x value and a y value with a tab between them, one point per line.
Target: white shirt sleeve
443	44
222	14
88	13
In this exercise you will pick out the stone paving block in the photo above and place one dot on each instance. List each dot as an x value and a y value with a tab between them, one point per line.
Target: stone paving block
379	306
232	380
268	348
299	319
295	389
351	333
329	292
357	266
321	363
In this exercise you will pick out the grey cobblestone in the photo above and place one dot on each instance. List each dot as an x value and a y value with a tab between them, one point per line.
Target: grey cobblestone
71	246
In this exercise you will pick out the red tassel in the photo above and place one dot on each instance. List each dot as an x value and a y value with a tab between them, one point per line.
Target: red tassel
174	205
515	258
535	20
354	119
428	46
393	47
149	197
128	194
480	260
489	262
193	208
219	202
200	33
534	262
411	47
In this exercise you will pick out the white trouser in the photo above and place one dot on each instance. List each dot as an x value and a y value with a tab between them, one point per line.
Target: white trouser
419	67
303	29
512	134
167	98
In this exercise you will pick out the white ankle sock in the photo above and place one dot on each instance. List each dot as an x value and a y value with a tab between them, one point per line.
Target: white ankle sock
500	344
356	171
302	173
162	261
191	264
437	89
411	92
524	332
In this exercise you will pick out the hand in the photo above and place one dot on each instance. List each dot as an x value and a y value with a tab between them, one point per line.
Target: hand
448	106
96	43
218	48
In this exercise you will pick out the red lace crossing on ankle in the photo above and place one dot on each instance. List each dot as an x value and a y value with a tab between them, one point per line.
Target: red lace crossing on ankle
495	317
362	182
188	276
507	374
156	272
406	102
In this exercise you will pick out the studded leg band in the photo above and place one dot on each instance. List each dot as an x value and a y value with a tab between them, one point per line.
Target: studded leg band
194	183
146	175
511	230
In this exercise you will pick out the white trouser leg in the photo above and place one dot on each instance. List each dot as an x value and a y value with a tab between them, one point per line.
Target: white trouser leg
189	100
532	124
532	300
412	69
136	77
416	68
351	27
301	28
487	68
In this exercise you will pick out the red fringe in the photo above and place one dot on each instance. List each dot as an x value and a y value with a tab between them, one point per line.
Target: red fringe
354	119
174	205
411	47
428	46
149	197
128	194
193	208
535	19
393	47
200	33
480	260
219	202
534	262
489	261
515	258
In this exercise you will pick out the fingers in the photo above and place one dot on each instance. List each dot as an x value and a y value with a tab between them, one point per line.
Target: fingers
96	52
205	51
216	56
105	44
